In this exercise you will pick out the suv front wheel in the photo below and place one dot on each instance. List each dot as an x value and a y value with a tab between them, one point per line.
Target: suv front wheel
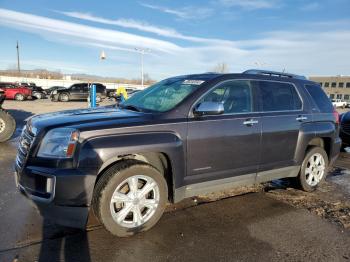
130	197
314	169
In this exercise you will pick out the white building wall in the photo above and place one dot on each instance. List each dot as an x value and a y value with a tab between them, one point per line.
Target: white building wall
47	83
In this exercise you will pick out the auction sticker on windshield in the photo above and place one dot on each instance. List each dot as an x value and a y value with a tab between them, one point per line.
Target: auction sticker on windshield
193	82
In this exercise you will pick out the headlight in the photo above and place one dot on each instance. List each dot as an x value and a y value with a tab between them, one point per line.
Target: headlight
59	143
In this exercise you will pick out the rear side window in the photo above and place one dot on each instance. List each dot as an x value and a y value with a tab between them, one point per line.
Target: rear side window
277	96
320	98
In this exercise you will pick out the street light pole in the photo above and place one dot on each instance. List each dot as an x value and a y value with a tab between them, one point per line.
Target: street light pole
142	51
18	65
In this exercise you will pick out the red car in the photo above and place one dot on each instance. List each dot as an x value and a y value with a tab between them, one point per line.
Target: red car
13	91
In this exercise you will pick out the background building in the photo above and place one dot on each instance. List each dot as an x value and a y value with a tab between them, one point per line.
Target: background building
336	87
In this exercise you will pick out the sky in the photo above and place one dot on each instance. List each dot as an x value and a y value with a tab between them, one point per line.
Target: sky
180	37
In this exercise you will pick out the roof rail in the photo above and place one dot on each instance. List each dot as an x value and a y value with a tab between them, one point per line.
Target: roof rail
273	73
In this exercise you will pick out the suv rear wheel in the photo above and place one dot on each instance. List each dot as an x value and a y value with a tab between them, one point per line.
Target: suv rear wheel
130	197
314	169
64	97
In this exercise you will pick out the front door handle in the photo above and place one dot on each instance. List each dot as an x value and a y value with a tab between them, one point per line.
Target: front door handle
250	122
301	118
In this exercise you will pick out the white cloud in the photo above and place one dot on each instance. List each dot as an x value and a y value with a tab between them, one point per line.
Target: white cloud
143	26
187	12
48	26
250	4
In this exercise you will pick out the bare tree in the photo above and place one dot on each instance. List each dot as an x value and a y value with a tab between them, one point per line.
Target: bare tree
221	68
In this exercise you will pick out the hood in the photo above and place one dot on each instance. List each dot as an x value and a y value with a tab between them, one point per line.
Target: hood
91	118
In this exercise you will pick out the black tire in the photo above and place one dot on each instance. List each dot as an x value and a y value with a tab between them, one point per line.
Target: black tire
7	126
114	177
19	97
302	175
64	97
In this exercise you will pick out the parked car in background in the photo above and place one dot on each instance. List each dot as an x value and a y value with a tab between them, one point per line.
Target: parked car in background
53	88
182	137
7	122
16	92
78	91
345	129
37	91
339	103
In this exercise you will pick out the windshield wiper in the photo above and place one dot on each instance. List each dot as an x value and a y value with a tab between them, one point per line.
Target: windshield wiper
131	107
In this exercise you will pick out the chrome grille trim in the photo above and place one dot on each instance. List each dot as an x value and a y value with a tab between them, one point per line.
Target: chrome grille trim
25	142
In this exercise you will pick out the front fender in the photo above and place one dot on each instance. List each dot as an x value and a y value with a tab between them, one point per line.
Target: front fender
100	152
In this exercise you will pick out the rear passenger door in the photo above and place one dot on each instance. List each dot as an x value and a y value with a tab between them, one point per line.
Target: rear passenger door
283	113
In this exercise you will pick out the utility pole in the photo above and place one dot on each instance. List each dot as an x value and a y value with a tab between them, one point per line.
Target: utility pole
142	51
18	65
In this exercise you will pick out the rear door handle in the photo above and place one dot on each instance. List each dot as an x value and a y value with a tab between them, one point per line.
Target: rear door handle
250	122
301	118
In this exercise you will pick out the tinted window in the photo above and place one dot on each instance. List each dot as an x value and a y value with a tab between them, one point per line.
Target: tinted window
77	87
236	96
320	98
276	96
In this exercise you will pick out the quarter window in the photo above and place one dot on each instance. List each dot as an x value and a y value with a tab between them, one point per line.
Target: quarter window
236	96
277	96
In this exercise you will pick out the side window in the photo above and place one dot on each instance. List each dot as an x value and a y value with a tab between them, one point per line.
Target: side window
277	96
235	95
76	88
320	98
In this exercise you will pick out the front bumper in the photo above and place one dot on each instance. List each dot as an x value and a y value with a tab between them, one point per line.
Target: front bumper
61	195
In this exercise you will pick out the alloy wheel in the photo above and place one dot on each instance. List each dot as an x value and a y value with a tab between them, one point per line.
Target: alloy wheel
315	169
134	201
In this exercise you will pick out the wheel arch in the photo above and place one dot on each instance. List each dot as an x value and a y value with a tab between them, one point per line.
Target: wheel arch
159	160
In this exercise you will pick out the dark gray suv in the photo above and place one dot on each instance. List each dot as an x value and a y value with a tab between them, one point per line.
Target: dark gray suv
184	136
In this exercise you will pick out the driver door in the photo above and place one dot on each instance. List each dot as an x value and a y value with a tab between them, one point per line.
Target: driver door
226	145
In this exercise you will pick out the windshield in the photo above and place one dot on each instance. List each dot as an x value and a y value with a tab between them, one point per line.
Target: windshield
164	95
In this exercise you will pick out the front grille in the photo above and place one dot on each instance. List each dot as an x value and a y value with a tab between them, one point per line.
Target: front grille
24	145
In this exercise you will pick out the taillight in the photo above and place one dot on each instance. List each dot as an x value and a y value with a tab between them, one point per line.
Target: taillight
336	116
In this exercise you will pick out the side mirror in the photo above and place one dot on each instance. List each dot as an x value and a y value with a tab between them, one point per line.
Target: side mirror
209	108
